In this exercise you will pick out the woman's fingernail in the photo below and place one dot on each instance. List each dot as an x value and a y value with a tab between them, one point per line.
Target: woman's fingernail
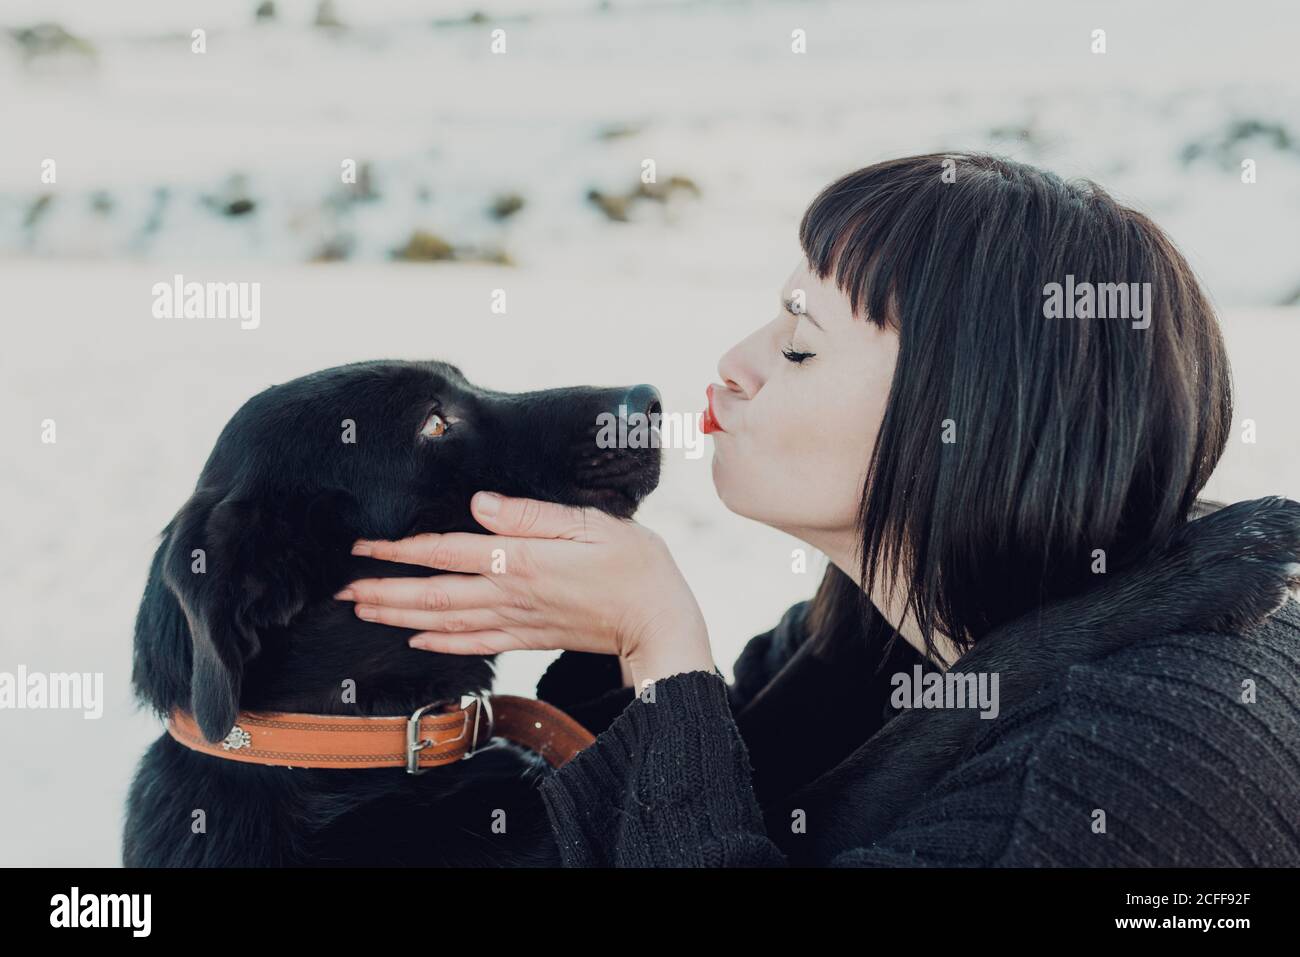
361	548
421	643
366	611
489	503
345	595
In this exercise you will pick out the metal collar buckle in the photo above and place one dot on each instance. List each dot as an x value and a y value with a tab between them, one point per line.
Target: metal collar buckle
415	744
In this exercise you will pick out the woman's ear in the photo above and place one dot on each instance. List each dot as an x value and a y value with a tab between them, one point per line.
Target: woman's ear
239	564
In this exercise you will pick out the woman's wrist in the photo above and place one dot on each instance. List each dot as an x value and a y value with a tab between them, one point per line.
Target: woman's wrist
643	677
674	646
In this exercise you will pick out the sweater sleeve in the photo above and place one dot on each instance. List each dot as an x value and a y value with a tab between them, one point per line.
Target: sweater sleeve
667	784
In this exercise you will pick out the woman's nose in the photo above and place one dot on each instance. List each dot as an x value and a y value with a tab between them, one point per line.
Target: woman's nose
737	374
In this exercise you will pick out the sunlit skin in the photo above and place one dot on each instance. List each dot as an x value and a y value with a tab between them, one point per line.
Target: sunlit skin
800	402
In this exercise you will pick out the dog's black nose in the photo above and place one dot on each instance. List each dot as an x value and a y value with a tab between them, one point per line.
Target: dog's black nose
640	398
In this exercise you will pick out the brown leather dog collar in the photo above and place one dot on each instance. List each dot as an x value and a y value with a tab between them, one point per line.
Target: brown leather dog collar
418	742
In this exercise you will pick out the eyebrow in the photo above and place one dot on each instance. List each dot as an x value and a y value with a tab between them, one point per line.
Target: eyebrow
788	303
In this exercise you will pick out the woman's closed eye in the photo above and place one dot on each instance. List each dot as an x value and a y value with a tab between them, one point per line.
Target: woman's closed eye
794	355
790	352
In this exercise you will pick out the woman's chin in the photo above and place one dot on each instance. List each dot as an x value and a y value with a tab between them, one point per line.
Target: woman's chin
725	486
721	485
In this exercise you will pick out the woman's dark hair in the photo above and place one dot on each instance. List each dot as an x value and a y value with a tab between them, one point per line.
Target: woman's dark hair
1064	435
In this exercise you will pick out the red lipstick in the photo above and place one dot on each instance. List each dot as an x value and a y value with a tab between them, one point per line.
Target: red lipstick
710	420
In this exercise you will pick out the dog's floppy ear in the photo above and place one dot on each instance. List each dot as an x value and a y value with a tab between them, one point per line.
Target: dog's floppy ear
239	564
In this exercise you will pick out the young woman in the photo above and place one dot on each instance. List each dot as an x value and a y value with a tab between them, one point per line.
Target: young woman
990	398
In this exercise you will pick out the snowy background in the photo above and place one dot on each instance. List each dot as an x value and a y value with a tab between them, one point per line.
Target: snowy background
520	172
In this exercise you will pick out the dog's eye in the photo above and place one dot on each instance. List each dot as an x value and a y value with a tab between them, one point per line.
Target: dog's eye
434	426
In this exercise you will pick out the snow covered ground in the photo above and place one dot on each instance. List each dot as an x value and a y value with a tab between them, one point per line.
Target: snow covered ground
152	141
709	90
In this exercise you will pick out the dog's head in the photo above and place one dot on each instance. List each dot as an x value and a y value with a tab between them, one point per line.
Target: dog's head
238	610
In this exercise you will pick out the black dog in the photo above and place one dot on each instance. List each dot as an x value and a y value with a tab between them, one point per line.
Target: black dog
376	450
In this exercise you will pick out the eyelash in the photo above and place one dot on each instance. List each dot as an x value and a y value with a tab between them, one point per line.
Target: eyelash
796	357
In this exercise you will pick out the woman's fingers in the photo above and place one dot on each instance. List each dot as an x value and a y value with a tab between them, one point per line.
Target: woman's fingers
452	622
532	518
441	603
487	642
435	593
552	576
449	551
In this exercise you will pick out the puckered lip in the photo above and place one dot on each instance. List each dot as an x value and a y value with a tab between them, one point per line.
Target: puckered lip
711	423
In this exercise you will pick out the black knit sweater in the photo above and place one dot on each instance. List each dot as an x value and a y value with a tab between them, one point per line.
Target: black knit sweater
1138	739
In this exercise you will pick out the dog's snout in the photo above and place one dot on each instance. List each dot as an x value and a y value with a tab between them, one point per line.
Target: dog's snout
639	398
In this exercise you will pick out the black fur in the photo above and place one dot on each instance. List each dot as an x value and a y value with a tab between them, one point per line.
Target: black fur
276	509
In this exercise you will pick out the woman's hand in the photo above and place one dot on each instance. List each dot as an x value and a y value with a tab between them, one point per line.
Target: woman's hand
552	577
